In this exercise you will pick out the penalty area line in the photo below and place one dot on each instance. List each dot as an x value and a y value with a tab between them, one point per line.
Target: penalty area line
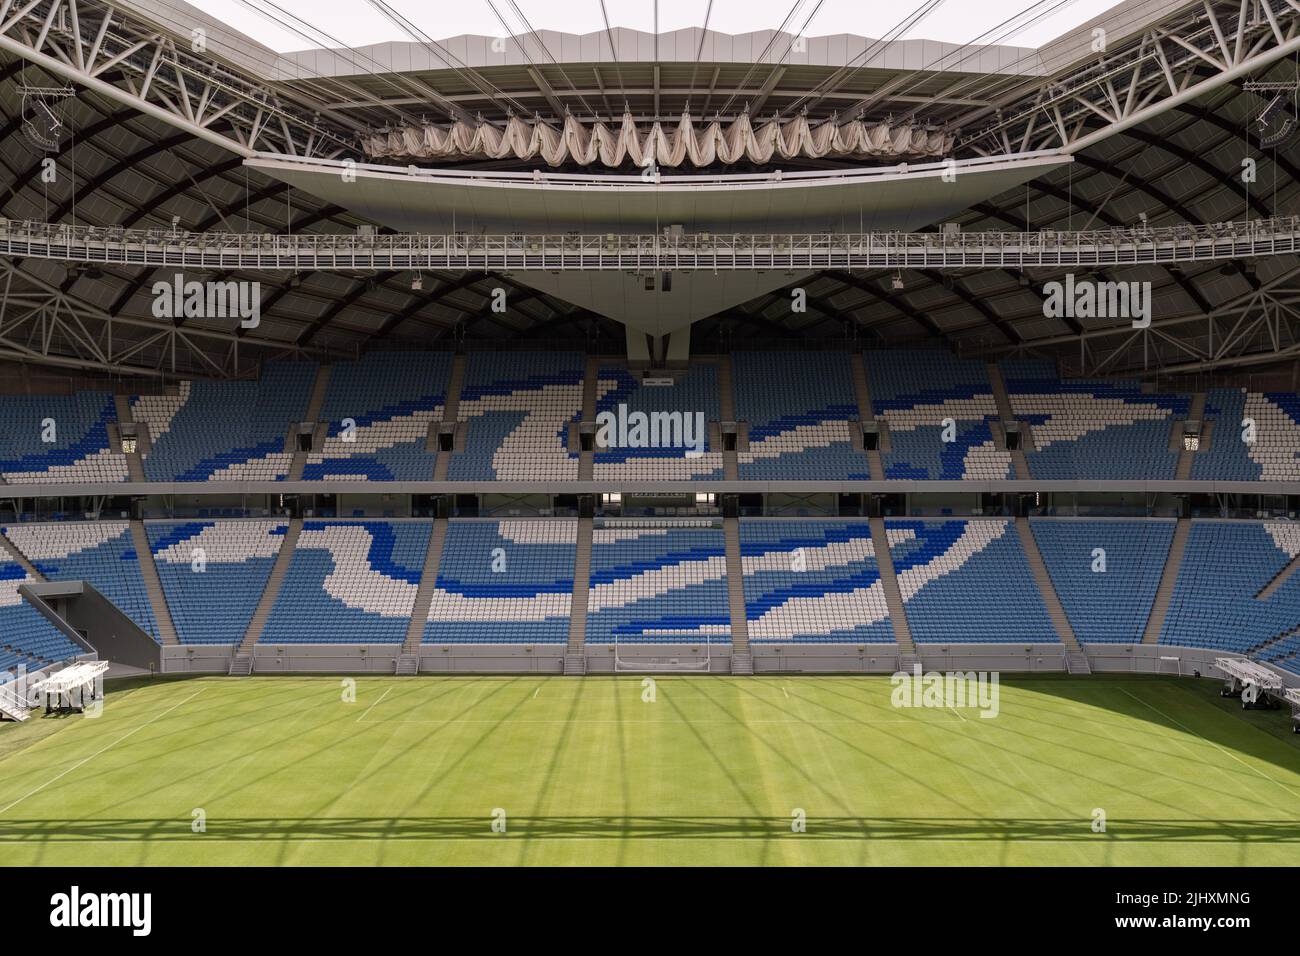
86	760
374	705
1254	770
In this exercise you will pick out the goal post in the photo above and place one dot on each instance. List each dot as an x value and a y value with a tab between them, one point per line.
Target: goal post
637	656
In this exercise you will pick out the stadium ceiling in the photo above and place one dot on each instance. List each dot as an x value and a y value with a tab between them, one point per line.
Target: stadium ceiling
1159	128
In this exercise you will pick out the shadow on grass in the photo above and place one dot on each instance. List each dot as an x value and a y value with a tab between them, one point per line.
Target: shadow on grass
256	829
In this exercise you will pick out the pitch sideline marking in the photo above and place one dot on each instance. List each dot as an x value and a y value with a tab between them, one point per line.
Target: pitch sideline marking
101	750
1254	770
375	704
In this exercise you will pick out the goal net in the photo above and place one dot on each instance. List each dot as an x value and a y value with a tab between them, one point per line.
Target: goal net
648	654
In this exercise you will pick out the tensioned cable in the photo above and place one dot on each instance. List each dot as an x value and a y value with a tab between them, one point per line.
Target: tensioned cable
978	44
537	38
758	60
995	82
609	35
295	24
699	51
377	70
481	83
836	79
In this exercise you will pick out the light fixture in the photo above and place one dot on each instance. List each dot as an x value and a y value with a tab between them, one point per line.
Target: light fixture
417	283
896	283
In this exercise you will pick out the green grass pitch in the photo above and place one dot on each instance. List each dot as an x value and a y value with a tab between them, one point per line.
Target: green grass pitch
710	772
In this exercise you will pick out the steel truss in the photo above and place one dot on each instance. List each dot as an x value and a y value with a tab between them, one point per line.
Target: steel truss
1259	327
688	253
1164	66
125	57
40	323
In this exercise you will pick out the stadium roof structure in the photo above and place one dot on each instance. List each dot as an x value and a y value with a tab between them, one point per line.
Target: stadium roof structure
154	116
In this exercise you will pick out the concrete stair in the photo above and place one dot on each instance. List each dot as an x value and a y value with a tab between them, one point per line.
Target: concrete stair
889	583
134	465
1076	662
424	594
408	665
1272	642
742	661
12	550
267	601
575	656
1278	579
241	665
1045	587
450	412
1168	580
862	388
1003	401
1195	413
152	585
590	382
314	405
727	409
12	707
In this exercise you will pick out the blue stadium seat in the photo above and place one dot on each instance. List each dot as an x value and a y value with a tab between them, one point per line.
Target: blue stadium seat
350	582
226	431
518	406
914	390
661	584
800	408
812	582
100	552
80	450
967	582
1110	606
391	398
504	582
1085	429
1225	564
215	604
695	390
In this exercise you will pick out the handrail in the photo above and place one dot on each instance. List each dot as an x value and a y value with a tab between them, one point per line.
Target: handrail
677	252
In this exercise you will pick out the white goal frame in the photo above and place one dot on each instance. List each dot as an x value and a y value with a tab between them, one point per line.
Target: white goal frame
694	663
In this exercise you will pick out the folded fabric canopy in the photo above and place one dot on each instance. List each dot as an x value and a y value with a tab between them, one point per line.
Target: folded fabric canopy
672	147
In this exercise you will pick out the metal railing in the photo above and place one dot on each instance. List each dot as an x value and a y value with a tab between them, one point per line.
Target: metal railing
650	252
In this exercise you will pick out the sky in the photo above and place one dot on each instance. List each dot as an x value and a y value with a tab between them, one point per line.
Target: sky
360	22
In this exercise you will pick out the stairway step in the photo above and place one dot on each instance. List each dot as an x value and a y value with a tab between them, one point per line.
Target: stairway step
736	587
152	584
314	404
273	583
1195	413
1037	567
727	409
241	665
581	588
408	665
742	665
575	665
889	584
1168	581
450	413
424	594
